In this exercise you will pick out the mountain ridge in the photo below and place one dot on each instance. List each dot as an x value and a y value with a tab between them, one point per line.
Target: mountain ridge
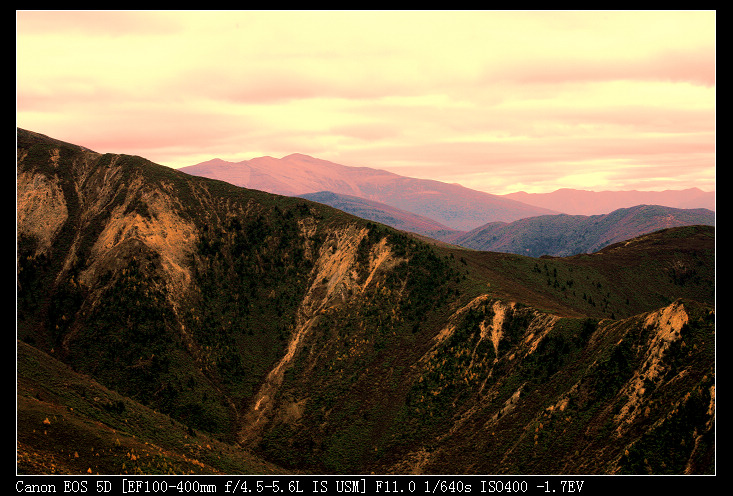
555	235
564	200
324	343
453	205
565	235
384	214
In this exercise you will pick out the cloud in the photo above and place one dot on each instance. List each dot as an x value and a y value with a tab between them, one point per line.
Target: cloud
96	23
693	65
497	98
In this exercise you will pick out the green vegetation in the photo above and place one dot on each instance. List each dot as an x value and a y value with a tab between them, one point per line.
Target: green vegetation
353	347
251	275
668	448
618	282
70	424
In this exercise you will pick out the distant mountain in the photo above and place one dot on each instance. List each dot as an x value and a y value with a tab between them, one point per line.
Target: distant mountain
452	205
580	202
385	214
564	235
555	235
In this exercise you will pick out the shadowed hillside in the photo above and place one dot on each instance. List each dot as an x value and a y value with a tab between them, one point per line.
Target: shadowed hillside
384	214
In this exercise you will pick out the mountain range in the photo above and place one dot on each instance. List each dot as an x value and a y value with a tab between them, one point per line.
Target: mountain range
174	324
564	235
568	223
554	235
452	205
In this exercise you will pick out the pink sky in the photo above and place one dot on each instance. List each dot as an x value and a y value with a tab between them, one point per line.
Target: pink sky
498	101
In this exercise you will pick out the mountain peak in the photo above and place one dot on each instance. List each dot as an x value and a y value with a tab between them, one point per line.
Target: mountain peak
451	205
301	156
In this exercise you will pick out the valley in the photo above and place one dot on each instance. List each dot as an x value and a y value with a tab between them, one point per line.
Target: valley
274	334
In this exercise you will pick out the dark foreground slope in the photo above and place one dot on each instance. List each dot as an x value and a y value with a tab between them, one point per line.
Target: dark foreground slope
283	329
189	295
68	423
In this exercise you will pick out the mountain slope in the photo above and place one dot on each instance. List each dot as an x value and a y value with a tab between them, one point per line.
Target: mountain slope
563	235
452	205
620	281
556	403
325	343
189	295
579	202
384	214
70	424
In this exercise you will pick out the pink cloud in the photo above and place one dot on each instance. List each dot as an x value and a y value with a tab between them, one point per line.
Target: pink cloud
500	94
106	23
541	159
696	66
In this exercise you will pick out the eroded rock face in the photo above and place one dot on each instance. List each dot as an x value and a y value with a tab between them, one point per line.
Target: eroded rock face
334	278
123	213
161	231
337	277
41	208
666	325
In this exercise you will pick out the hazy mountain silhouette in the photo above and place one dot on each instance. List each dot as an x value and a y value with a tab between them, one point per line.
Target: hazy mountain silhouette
452	205
555	235
385	214
564	235
581	202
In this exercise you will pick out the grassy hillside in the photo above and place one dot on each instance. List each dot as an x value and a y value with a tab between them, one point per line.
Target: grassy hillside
621	280
68	423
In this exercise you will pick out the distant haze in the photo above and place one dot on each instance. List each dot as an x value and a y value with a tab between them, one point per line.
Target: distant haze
570	201
497	101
